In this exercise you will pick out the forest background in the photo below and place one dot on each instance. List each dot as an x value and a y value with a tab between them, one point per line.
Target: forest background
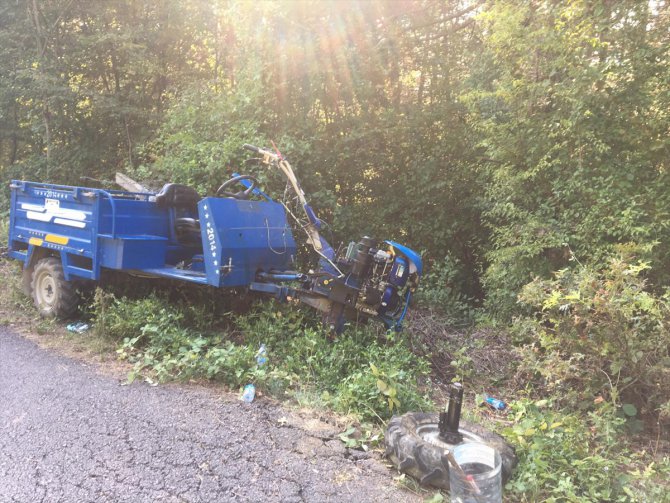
506	140
500	138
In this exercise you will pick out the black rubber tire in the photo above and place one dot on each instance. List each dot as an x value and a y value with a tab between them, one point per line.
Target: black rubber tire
52	294
426	461
27	281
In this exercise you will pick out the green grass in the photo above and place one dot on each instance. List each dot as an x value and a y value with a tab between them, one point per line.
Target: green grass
4	233
360	373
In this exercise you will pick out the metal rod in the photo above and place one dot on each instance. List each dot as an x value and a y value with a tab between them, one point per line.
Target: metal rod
450	420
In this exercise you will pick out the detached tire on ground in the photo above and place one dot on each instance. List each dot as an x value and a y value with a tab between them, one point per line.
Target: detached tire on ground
52	295
414	447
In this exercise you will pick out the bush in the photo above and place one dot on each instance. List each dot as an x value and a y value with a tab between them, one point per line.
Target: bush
441	290
578	458
600	335
122	318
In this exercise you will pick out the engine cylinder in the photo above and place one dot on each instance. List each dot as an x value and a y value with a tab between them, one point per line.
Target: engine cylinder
363	257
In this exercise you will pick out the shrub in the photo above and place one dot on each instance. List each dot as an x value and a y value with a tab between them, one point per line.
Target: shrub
441	289
600	334
359	372
119	318
578	457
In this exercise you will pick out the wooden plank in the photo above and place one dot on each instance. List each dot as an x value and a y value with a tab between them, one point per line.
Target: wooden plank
129	184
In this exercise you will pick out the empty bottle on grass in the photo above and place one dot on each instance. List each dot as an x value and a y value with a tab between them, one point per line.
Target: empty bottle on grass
78	328
495	403
262	356
249	393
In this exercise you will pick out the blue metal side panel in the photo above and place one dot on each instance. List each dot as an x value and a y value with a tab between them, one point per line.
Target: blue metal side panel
114	229
134	218
134	233
133	252
14	253
54	217
241	238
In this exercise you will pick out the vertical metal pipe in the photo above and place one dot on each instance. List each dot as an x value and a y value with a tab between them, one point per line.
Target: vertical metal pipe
449	421
362	259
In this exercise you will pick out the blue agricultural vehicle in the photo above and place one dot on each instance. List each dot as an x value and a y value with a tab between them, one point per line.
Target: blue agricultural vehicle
235	239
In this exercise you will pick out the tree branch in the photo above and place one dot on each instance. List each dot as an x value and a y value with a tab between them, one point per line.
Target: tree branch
450	17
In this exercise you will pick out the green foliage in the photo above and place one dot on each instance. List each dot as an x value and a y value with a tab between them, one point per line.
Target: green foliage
119	318
77	95
200	142
442	290
4	231
164	343
567	456
364	437
461	364
567	95
357	373
601	333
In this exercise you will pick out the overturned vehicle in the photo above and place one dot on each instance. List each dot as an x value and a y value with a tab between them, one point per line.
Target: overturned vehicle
238	238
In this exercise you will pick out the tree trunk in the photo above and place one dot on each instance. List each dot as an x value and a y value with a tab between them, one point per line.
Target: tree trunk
34	15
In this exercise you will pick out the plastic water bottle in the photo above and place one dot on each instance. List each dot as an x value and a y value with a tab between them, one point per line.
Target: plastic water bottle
479	479
495	403
249	393
262	356
78	328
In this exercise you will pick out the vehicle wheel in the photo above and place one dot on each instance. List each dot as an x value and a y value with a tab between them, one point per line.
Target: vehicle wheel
53	296
413	445
27	281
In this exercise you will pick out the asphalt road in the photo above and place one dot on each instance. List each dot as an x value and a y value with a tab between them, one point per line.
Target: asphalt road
71	433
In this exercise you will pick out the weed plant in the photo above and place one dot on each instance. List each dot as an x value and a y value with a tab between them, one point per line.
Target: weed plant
359	372
440	291
579	457
4	229
600	335
595	356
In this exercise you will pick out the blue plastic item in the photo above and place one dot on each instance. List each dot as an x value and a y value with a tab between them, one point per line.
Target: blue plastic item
249	393
413	257
399	272
78	328
495	403
262	356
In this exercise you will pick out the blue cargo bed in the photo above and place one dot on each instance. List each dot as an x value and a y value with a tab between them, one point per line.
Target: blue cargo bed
225	244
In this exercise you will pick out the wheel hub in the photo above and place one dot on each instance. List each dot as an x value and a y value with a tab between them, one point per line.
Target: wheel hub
431	434
46	290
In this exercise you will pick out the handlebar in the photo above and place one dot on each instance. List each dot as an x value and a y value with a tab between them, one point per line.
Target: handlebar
268	155
252	148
